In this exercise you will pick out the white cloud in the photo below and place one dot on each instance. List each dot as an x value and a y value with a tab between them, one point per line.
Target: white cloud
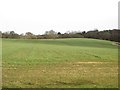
37	16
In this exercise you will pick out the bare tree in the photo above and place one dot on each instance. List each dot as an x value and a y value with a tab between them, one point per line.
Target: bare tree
29	35
51	34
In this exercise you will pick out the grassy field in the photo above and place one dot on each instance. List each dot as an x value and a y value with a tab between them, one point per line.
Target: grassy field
59	63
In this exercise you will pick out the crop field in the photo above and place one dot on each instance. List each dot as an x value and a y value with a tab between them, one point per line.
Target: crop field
59	63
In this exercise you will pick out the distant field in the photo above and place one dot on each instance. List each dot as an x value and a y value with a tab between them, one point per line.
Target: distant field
60	63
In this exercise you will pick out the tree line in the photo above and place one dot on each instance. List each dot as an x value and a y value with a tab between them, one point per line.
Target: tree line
112	35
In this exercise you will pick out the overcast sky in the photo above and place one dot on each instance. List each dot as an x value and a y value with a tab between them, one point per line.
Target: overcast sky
38	16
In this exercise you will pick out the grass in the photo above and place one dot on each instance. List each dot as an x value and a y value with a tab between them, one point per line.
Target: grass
60	63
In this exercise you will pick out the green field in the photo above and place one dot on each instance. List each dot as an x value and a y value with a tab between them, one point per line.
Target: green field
59	63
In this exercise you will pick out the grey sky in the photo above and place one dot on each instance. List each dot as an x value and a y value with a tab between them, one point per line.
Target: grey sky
38	16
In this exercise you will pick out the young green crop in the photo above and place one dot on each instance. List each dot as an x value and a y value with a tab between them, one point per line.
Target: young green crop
49	62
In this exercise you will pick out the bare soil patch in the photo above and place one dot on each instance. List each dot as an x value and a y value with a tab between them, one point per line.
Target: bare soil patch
92	62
